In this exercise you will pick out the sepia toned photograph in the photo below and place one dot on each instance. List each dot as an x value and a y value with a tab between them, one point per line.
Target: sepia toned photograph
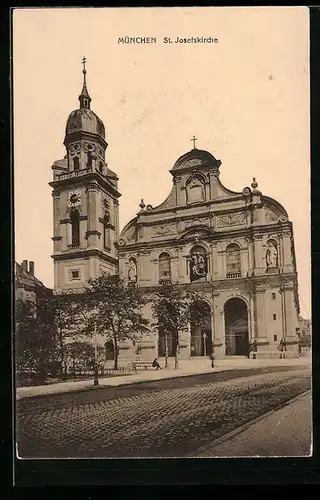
162	265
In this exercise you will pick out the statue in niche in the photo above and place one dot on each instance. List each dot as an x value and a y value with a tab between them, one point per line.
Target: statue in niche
272	255
198	263
132	271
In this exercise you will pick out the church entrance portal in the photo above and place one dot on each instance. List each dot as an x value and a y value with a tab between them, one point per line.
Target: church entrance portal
236	327
201	333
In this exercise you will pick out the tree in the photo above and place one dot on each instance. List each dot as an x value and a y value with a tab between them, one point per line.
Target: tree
173	312
114	310
82	354
35	340
65	319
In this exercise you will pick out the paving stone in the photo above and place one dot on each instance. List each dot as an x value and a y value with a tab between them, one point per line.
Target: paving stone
159	421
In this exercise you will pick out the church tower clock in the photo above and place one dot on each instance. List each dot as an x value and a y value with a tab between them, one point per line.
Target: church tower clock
85	201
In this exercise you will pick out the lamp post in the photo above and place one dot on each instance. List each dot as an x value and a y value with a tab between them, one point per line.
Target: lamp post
204	336
96	379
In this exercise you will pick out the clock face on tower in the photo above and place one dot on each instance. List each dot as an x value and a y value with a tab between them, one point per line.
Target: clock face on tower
74	199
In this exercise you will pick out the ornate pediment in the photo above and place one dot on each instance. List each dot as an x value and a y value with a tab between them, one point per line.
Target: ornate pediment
196	232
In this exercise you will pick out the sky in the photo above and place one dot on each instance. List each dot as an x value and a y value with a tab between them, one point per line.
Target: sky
246	99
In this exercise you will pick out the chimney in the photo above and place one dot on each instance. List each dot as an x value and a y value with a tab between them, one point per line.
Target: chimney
25	265
31	267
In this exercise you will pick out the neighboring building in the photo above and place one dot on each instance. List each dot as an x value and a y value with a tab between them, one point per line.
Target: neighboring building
27	286
236	248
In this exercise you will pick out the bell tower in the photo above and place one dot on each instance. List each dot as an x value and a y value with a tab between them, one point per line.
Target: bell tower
85	201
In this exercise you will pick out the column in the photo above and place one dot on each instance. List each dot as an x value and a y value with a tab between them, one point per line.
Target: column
93	234
250	255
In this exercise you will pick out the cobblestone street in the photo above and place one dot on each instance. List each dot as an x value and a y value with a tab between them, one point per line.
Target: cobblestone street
168	418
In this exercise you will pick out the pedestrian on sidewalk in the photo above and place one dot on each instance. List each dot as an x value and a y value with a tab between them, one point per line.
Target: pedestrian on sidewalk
155	364
212	360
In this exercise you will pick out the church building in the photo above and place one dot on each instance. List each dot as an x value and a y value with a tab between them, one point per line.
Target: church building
235	248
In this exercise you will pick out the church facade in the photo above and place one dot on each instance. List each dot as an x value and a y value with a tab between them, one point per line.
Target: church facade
235	248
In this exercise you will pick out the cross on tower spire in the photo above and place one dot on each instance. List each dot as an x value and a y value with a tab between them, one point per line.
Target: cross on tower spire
84	97
194	139
84	60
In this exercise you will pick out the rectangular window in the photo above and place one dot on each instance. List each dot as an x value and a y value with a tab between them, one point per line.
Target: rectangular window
275	338
274	316
273	296
75	274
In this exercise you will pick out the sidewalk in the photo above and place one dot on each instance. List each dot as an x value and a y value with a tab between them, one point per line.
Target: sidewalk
186	368
286	432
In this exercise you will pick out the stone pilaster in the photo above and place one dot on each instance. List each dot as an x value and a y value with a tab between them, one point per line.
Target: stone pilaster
217	326
183	266
213	175
258	254
93	233
214	261
175	267
116	217
56	221
290	319
260	329
250	256
286	251
180	193
68	229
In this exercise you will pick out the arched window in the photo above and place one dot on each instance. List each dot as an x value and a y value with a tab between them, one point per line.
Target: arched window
100	167
76	163
198	263
164	267
75	228
233	261
89	159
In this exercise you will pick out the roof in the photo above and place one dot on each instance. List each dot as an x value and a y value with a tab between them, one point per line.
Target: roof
25	278
85	120
196	158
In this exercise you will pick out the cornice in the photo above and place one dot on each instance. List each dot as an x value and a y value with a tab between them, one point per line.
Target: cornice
84	254
84	180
